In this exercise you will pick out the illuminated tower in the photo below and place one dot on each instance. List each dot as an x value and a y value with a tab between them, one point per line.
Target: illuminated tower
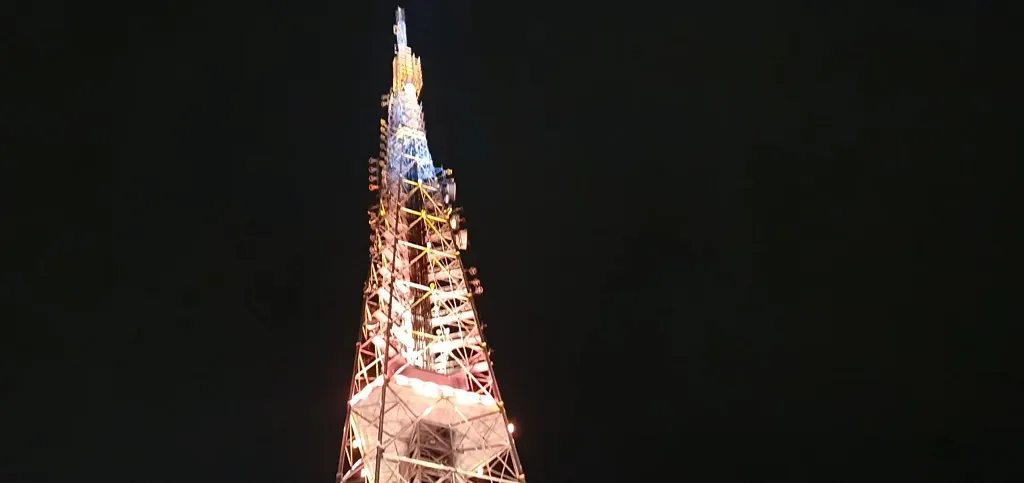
424	404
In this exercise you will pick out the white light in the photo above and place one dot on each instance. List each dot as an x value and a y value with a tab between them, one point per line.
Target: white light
511	428
480	366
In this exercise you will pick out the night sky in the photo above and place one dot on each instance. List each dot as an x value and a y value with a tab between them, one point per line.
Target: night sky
720	242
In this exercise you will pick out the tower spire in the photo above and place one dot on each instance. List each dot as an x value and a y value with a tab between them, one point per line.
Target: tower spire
406	68
424	405
400	32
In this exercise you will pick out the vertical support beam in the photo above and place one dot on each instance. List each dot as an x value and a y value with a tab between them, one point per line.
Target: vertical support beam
497	395
345	433
387	345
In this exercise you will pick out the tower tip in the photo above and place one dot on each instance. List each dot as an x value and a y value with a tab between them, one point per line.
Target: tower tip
406	67
400	27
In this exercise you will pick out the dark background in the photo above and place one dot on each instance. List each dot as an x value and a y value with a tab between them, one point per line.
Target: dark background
720	241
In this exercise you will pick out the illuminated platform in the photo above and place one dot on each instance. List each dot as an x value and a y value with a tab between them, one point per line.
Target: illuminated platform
467	430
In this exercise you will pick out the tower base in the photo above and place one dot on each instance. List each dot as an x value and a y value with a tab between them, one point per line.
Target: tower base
431	432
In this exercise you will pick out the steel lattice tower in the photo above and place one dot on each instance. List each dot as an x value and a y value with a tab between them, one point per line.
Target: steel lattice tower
424	404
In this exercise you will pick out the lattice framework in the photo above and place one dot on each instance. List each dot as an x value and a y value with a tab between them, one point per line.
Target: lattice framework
424	403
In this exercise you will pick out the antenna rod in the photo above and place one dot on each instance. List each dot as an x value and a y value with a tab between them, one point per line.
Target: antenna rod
400	28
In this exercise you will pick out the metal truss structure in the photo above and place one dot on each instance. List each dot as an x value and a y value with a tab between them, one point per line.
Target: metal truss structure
424	403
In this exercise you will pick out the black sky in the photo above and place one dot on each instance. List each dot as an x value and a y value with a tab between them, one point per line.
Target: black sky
719	241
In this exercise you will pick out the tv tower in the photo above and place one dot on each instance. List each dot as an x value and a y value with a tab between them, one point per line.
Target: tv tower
424	404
